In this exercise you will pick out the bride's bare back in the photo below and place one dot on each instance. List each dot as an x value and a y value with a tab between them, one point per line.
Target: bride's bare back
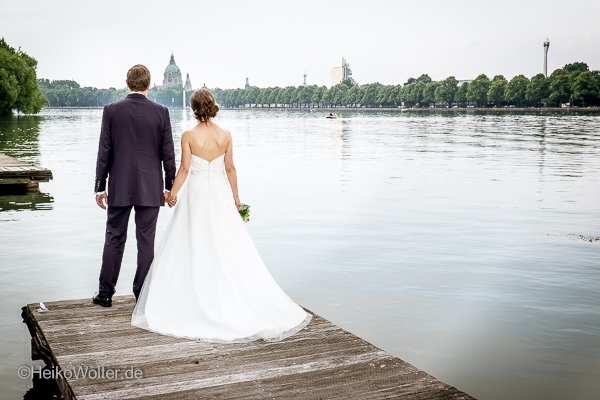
208	141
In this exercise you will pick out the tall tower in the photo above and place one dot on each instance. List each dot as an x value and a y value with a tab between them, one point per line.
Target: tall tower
304	78
546	45
247	86
188	83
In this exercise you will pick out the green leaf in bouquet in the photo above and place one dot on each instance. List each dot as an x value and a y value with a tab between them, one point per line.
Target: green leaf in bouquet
245	212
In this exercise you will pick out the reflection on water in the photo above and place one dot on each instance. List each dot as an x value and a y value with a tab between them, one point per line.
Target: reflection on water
19	136
43	389
21	199
464	243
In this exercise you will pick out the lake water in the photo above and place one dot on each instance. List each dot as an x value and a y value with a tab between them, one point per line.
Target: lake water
462	243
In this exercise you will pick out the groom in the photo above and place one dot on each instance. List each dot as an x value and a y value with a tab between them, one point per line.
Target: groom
135	144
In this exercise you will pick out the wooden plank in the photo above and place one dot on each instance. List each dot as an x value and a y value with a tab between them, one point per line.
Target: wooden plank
320	361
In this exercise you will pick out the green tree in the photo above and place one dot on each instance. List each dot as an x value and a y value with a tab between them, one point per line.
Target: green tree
252	94
327	98
348	83
370	94
306	95
168	97
412	94
296	95
516	89
572	78
576	66
338	92
238	97
353	96
461	94
66	83
318	94
586	87
478	89
538	89
263	96
560	87
386	95
447	90
19	89
407	94
497	89
596	76
429	92
273	95
398	94
424	79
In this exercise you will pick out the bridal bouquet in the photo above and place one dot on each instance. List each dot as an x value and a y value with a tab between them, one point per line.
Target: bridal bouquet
245	212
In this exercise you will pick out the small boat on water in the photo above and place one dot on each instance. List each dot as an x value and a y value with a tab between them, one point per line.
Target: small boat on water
332	116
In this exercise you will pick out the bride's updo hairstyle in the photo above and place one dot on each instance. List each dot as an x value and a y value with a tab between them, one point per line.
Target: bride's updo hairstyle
203	105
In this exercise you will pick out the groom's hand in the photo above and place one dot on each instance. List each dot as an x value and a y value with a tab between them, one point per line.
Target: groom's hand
102	200
172	201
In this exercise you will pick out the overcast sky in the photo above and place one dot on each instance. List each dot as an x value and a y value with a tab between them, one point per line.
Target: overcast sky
221	42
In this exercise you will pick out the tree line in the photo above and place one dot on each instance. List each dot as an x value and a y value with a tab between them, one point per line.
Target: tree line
574	83
67	93
18	86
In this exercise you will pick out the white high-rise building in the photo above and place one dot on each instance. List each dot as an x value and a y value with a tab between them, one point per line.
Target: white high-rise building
341	72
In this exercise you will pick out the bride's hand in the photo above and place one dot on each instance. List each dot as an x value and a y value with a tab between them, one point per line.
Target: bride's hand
172	201
238	204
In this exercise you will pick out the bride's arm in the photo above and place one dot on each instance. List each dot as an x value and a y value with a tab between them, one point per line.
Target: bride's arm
184	168
231	174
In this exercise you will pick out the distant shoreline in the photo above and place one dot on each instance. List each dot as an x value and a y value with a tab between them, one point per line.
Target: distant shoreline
339	109
461	109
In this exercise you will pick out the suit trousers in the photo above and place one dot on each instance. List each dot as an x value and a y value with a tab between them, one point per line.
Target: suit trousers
114	245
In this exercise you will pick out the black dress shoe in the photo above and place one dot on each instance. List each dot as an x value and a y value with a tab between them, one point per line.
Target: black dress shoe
103	301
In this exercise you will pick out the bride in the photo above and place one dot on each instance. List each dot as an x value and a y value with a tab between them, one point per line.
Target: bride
207	280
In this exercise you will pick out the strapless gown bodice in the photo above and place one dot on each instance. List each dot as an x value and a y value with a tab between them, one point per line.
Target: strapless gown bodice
201	167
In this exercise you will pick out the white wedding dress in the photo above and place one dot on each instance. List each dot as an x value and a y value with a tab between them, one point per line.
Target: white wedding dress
207	280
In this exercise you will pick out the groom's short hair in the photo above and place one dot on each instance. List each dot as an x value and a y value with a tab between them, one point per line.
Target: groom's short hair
138	78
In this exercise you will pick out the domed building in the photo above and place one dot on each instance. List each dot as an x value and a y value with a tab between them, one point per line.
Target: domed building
172	74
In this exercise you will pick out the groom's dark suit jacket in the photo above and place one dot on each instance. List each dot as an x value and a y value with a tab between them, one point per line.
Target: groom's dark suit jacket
135	139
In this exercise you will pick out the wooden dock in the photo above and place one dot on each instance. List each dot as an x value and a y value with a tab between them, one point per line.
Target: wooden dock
322	361
15	172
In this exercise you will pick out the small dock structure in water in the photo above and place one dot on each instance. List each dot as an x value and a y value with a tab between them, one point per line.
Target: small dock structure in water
16	173
323	361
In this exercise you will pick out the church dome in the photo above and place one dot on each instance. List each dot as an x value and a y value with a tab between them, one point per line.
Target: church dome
172	75
172	67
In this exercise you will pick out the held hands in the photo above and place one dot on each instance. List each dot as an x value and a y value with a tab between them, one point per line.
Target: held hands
102	200
170	199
